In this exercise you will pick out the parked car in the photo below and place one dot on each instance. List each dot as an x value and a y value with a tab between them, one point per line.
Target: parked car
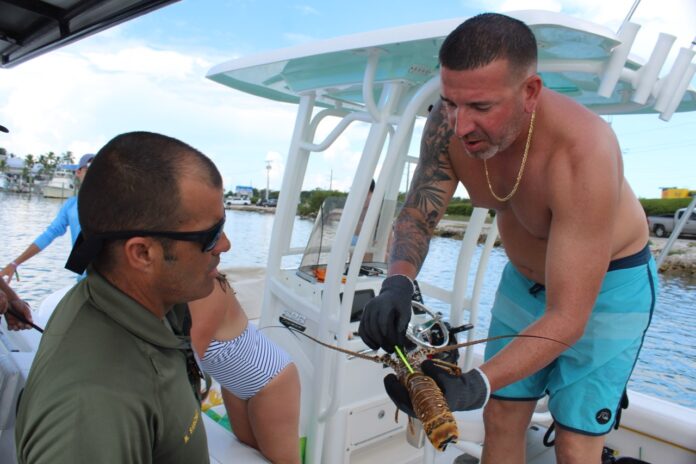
271	202
663	225
237	201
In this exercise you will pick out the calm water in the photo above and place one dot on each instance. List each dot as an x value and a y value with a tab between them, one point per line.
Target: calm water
666	367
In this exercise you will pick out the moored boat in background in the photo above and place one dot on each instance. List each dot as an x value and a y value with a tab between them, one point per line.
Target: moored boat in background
61	185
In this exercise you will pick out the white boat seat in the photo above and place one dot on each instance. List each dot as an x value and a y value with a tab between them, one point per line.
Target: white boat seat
224	447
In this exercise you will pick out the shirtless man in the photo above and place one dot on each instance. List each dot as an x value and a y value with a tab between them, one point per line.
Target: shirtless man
580	272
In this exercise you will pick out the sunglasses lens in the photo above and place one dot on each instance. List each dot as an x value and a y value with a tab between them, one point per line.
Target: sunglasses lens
214	236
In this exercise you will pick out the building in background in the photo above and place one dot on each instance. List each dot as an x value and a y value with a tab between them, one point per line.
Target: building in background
243	191
674	192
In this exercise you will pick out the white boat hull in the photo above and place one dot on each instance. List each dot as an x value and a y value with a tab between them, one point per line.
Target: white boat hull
652	429
50	191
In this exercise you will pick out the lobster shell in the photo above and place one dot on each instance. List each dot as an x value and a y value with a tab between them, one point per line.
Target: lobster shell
432	410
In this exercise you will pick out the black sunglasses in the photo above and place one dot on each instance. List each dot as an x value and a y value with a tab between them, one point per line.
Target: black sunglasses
207	238
86	250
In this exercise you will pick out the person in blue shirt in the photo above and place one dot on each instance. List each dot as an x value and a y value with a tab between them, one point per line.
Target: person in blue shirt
66	217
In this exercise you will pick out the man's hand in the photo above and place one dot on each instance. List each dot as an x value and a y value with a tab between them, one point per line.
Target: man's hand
399	394
4	303
7	272
385	318
468	391
462	393
21	307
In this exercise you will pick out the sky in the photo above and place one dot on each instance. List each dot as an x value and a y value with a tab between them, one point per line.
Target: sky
149	74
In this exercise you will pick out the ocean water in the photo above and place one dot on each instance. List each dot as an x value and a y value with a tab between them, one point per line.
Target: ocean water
666	367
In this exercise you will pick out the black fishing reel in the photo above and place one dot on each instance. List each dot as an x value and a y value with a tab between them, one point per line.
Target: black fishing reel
427	329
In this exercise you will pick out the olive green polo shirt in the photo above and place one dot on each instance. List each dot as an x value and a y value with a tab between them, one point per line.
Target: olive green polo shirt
109	384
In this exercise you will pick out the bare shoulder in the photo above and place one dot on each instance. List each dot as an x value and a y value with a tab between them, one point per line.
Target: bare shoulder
581	135
584	166
216	299
217	316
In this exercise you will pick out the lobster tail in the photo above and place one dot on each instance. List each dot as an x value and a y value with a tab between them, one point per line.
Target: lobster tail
432	410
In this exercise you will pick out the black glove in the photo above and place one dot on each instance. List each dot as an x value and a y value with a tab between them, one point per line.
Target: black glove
462	393
398	394
385	317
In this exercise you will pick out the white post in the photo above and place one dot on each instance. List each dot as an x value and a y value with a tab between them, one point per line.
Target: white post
678	226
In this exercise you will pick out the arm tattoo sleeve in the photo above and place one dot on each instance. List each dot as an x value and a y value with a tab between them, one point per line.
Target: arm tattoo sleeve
428	195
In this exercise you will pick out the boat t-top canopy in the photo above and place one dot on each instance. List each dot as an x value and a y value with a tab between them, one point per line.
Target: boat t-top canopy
388	79
31	28
582	60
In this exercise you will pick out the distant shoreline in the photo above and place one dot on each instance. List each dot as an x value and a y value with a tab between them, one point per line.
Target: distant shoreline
681	259
254	208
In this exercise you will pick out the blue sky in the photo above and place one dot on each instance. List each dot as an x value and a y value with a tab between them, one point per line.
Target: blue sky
148	74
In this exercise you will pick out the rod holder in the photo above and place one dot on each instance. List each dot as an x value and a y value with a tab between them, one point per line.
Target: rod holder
679	93
648	74
615	65
673	80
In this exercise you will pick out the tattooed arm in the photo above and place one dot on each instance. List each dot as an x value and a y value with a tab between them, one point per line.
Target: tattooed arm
434	183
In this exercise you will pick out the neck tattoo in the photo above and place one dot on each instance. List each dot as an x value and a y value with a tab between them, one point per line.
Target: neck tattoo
521	171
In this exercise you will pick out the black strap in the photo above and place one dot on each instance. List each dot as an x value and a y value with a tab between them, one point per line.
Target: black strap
623	404
548	442
417	296
180	320
536	288
19	398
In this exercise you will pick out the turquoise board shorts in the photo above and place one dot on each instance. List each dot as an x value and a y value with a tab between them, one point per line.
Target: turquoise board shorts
585	384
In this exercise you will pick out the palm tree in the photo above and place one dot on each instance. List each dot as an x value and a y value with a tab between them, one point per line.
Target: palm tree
29	162
49	162
67	158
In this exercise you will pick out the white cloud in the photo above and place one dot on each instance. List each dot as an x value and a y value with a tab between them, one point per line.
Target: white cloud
512	5
142	60
277	163
78	97
307	10
78	101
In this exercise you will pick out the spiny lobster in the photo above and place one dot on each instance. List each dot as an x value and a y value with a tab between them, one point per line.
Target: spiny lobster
427	399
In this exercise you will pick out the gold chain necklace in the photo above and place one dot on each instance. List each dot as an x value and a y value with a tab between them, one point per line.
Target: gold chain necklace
521	171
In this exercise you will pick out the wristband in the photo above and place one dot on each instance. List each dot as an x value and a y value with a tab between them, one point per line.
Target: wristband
14	264
488	385
413	286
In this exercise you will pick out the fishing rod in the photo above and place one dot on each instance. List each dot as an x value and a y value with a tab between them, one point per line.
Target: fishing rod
21	318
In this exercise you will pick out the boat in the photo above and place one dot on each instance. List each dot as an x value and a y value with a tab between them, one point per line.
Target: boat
61	185
387	79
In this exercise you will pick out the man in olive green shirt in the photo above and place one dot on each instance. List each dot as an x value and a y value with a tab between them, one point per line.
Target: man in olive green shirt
113	379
